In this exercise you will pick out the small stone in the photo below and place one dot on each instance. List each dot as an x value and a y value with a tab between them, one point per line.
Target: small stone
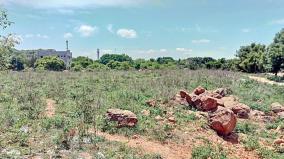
172	119
159	118
145	112
151	103
277	107
199	90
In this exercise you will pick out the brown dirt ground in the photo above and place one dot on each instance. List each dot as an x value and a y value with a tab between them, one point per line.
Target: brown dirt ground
50	108
265	80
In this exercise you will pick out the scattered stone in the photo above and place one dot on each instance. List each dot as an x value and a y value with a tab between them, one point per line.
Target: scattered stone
280	115
241	110
159	118
220	102
277	107
199	90
200	115
151	103
221	91
223	121
145	112
123	117
278	141
135	137
172	119
257	113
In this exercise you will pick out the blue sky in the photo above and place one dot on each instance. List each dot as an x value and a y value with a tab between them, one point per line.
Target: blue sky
145	28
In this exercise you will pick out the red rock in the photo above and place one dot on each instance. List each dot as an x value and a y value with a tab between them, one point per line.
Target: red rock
278	141
183	94
208	103
241	110
223	121
151	103
199	90
123	117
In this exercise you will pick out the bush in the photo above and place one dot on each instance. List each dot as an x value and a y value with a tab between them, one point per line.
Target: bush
51	63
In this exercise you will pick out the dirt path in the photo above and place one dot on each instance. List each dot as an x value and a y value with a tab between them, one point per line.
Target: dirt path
50	108
264	80
167	151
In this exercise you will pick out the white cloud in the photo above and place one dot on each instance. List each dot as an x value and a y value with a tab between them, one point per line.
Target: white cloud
110	28
183	50
68	35
127	33
41	36
246	30
201	41
163	50
278	21
74	3
87	30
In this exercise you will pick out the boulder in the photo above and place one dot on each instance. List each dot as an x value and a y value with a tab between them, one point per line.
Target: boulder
151	103
179	100
223	121
199	90
207	103
241	110
277	107
123	117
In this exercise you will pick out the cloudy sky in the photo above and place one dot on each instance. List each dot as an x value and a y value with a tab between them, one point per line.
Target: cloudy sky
145	28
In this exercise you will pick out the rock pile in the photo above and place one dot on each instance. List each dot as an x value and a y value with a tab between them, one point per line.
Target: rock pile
278	109
124	118
221	118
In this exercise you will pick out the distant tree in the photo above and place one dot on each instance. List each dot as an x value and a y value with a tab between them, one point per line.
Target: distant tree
165	60
51	63
275	53
82	61
198	62
105	59
96	66
252	58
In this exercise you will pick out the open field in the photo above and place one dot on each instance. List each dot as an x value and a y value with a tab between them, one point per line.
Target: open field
39	112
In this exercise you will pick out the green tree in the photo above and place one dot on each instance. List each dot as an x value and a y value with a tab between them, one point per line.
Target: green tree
252	58
81	61
105	59
51	63
165	60
275	53
6	42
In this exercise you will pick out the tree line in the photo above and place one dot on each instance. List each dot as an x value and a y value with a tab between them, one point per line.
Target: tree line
253	58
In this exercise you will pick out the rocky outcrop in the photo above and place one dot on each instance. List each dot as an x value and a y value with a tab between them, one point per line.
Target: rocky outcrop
277	107
124	118
223	121
199	90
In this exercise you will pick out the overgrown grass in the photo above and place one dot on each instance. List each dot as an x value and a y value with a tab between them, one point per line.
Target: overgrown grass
84	97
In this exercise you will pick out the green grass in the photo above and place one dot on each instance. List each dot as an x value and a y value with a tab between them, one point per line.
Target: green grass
84	97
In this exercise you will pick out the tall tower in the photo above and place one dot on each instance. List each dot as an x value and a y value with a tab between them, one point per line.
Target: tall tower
98	54
67	45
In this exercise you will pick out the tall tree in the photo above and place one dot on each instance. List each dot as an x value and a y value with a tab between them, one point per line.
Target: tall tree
6	42
275	53
252	58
